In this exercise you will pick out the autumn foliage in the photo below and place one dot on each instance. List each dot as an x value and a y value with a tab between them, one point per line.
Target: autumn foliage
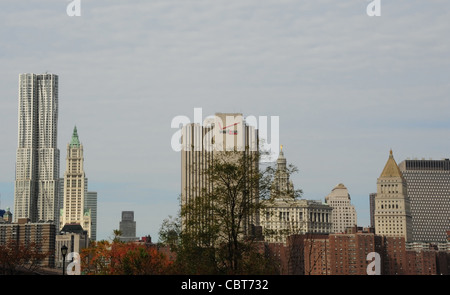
118	258
21	258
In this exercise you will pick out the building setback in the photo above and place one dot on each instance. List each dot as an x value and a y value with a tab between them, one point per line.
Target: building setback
37	158
428	186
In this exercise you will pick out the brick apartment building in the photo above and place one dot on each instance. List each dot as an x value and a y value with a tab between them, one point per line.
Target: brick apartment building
25	232
346	254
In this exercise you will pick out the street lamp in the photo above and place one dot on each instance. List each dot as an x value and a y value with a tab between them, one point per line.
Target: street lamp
64	253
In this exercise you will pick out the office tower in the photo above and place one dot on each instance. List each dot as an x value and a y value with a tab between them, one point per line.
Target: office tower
284	215
91	205
372	209
428	186
75	186
37	158
344	214
128	227
392	205
201	145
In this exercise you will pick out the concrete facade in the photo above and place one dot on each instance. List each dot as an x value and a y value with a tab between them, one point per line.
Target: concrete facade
37	158
343	215
428	187
392	205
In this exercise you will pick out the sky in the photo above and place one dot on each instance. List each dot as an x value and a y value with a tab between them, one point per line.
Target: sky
347	88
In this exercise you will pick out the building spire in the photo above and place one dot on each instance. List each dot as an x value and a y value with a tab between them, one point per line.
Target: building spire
281	160
391	168
75	142
282	186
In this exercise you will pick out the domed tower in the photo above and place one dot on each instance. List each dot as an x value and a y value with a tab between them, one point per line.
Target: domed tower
282	186
344	214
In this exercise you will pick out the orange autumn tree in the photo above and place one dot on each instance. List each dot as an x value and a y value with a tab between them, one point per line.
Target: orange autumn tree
120	258
18	257
95	260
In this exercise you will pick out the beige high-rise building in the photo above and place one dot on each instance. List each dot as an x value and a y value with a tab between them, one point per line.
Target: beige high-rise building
201	145
343	215
283	215
392	206
75	187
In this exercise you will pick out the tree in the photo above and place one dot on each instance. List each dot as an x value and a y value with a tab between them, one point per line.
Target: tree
220	224
95	259
282	195
305	252
119	258
117	233
18	257
170	232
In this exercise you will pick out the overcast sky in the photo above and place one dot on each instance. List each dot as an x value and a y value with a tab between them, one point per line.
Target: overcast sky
346	87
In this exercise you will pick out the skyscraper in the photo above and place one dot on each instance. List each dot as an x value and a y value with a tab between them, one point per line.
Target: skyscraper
37	158
128	227
392	205
75	186
428	185
201	145
343	215
91	206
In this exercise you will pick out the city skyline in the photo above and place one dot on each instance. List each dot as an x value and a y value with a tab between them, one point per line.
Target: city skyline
346	88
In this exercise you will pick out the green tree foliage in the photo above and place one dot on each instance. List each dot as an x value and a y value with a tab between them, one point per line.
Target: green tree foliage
219	234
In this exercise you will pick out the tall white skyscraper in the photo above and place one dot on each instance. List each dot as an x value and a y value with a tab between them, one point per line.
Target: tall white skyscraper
37	158
344	213
75	187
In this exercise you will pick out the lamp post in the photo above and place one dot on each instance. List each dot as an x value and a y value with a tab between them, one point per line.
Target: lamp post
64	253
